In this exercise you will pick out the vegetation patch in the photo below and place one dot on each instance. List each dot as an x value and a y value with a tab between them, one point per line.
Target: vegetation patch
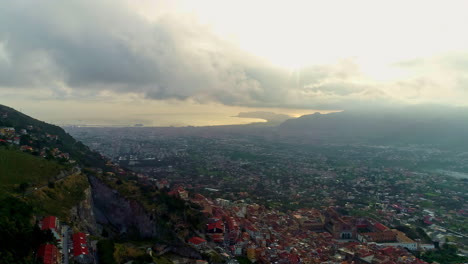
106	251
446	254
243	260
17	167
61	198
20	236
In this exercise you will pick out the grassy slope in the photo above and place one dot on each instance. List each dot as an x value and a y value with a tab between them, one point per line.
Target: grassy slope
17	167
59	200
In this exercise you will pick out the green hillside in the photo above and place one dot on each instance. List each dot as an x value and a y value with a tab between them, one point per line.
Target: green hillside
44	171
61	197
53	196
66	143
17	167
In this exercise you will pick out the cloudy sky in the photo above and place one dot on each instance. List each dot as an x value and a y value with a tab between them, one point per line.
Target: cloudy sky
202	62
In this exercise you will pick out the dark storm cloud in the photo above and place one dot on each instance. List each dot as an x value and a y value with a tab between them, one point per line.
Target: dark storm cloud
101	45
88	42
89	46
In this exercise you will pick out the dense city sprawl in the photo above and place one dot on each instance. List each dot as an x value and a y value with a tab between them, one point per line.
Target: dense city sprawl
314	202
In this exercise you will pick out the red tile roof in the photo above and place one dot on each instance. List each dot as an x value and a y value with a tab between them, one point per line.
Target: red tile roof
294	259
217	225
80	247
380	227
199	197
196	240
219	237
388	250
49	222
48	253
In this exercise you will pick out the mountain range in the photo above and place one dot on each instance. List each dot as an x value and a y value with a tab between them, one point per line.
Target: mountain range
422	125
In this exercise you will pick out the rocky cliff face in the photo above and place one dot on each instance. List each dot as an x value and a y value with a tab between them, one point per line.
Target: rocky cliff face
124	215
82	215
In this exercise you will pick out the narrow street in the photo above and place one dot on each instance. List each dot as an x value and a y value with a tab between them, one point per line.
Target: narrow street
65	243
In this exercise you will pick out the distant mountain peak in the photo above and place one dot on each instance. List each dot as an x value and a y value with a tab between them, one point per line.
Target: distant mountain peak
436	126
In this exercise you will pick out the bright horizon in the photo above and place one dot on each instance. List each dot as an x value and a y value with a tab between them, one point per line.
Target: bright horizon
180	63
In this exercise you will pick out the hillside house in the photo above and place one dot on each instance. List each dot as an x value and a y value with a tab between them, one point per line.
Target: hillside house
180	193
49	254
197	242
7	131
52	223
80	249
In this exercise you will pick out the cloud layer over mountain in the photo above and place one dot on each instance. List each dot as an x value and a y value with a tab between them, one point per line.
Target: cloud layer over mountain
80	48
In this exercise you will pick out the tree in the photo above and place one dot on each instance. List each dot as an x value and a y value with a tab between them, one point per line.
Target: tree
23	187
51	184
143	259
106	251
447	254
15	230
25	140
105	233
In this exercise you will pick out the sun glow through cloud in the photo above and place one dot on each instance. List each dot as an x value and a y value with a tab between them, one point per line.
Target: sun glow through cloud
298	33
